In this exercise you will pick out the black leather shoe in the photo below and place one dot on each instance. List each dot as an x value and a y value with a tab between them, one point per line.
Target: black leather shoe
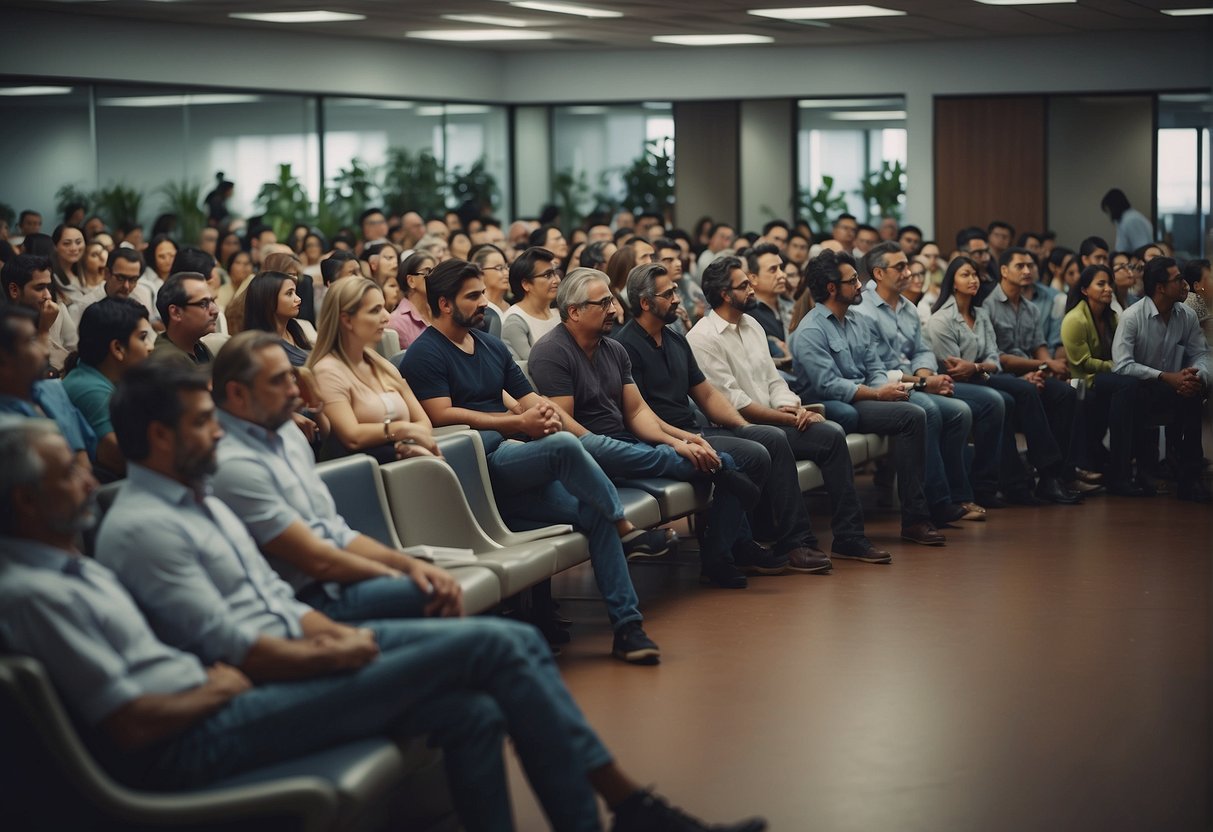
989	499
1051	490
861	549
753	558
722	574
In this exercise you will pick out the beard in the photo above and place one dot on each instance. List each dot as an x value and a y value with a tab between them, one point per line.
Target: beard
195	467
81	519
472	321
747	305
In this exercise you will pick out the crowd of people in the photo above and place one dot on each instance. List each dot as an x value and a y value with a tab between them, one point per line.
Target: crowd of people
211	375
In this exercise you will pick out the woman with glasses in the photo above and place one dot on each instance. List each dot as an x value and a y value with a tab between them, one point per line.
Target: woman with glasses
496	273
412	314
534	278
1126	272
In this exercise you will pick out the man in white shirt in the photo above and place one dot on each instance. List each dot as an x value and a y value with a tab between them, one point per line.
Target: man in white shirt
731	350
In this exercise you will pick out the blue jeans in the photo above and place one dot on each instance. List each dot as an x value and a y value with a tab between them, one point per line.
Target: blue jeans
555	480
464	682
725	523
949	422
366	600
989	420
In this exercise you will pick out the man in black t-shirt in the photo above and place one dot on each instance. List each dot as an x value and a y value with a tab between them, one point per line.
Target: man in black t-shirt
589	377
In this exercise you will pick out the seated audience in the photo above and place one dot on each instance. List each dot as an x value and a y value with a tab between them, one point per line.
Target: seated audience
188	310
837	363
412	314
369	406
289	264
121	272
730	355
1126	272
159	257
67	264
115	335
462	377
1199	278
534	281
1158	341
272	305
1111	402
28	282
337	265
492	263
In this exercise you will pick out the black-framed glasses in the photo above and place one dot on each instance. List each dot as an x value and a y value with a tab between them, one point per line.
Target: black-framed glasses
550	273
202	303
604	304
741	287
498	268
668	294
420	273
897	267
918	274
123	278
853	280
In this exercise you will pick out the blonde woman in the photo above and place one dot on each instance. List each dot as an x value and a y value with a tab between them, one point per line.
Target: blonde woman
370	407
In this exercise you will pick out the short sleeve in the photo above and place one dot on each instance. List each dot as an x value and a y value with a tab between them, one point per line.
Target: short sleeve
424	369
249	490
549	367
93	402
333	384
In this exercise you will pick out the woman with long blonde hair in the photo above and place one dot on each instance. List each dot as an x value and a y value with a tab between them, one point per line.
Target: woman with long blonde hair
370	406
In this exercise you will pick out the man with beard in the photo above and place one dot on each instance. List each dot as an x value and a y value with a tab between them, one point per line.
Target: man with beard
589	378
187	307
465	377
267	476
731	349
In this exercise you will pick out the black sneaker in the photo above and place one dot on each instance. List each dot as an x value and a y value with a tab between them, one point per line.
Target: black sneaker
646	812
756	559
649	543
633	646
723	574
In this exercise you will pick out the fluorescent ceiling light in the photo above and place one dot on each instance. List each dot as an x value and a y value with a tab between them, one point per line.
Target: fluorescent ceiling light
1025	2
317	16
586	110
178	100
826	12
711	40
395	105
564	8
870	115
485	19
833	103
1187	12
472	35
434	110
15	91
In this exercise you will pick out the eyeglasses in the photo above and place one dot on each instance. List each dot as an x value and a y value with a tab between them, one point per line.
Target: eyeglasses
896	267
421	273
851	281
202	303
918	274
499	268
550	273
122	278
604	304
741	287
668	294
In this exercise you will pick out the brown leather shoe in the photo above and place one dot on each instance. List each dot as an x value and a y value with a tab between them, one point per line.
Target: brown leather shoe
807	559
923	533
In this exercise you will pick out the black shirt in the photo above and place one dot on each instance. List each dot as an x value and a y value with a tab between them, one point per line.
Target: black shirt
665	374
560	368
769	320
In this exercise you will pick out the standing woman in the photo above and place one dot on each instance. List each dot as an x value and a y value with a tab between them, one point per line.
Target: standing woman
271	304
370	407
412	314
1112	401
67	267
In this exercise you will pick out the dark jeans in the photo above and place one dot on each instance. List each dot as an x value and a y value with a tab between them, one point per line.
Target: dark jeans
1046	418
989	421
1181	414
824	444
906	425
1114	404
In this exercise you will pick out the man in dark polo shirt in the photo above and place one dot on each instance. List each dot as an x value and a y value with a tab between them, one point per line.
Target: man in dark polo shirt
666	373
187	307
589	377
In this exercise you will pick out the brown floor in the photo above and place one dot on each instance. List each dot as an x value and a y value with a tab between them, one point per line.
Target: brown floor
1047	670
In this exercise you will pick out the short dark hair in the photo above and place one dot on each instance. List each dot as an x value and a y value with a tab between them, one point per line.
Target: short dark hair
863	226
908	229
719	225
446	281
235	360
1193	271
127	254
592	256
173	293
844	216
193	259
524	265
966	235
1091	245
1115	203
1005	259
874	259
1000	224
754	252
1155	274
773	224
151	392
718	279
368	213
664	243
824	269
106	321
539	237
331	266
8	313
20	270
1022	242
28	212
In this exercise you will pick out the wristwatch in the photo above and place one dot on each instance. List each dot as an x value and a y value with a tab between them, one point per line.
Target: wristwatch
921	384
1043	368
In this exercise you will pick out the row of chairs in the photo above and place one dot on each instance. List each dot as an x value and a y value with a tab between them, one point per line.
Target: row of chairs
361	785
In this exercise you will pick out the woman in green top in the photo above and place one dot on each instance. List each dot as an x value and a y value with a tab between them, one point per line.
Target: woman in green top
1113	402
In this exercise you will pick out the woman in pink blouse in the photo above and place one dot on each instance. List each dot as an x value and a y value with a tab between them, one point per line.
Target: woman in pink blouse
371	408
412	314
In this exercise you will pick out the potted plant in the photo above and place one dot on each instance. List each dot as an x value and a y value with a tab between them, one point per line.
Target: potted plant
118	205
412	183
648	183
475	185
184	198
352	191
822	205
284	202
883	189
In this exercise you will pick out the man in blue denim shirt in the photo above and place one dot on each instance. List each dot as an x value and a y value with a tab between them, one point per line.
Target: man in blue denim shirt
836	361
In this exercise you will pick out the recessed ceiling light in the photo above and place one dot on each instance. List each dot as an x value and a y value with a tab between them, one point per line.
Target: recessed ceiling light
178	100
317	16
711	40
1187	12
473	35
15	91
564	8
1024	2
485	20
870	115
826	12
434	110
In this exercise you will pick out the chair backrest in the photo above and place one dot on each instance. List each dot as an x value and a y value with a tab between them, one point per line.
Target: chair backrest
389	344
429	506
358	492
464	452
106	495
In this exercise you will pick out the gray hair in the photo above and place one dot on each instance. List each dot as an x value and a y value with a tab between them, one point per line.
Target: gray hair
20	463
642	283
875	258
429	243
574	290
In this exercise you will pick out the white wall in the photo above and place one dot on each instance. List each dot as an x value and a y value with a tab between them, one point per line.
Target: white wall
767	148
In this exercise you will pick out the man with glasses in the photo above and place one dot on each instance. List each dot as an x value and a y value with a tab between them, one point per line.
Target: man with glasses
189	312
1160	342
907	358
732	351
838	363
122	272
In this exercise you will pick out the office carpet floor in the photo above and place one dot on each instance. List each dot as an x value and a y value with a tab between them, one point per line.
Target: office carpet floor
1047	670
